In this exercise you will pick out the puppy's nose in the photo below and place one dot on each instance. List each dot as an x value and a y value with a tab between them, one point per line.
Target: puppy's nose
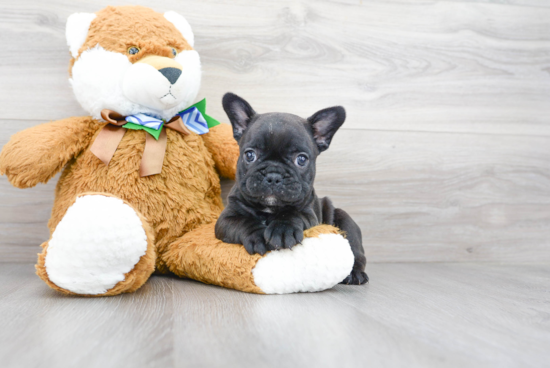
273	179
172	74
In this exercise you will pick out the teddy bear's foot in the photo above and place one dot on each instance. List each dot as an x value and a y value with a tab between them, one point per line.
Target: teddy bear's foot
102	246
322	260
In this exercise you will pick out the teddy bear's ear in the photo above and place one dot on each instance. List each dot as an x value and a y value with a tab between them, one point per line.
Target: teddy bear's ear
76	30
182	25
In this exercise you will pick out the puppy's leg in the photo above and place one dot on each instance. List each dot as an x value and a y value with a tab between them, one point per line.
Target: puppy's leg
341	219
235	228
344	222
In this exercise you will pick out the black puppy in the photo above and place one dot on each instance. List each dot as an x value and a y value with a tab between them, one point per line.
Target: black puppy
273	200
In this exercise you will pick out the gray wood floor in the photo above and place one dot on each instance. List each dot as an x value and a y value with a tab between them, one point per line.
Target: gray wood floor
445	153
410	315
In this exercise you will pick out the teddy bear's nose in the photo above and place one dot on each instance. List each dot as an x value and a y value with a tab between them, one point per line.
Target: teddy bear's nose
172	74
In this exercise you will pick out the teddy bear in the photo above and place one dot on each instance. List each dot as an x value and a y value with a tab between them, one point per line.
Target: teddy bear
140	190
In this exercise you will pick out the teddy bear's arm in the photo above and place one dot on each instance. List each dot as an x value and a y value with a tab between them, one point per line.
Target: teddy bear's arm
36	154
224	149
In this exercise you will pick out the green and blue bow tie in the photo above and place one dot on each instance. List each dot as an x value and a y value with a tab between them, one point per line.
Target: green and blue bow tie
194	118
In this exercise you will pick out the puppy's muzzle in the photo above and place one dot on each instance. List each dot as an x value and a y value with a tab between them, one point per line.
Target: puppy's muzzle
273	180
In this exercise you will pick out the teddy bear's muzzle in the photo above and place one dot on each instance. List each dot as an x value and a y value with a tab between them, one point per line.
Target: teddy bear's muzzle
168	67
155	82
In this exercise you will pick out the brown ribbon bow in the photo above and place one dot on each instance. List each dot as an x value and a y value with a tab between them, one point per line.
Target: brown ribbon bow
108	139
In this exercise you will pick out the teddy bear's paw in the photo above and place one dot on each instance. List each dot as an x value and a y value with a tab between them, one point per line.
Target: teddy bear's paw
319	263
99	240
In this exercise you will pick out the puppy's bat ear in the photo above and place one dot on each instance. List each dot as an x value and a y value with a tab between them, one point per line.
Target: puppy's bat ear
325	123
240	113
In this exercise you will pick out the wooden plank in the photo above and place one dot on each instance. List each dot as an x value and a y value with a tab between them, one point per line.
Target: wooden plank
442	197
416	196
399	68
418	66
85	332
414	315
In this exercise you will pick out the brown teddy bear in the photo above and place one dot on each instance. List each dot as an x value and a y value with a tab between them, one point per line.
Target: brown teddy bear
140	189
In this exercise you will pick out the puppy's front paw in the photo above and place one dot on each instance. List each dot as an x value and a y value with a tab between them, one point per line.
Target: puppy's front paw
282	234
255	243
356	278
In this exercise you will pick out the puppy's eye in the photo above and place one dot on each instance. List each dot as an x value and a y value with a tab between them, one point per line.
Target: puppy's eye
133	50
250	156
301	160
174	51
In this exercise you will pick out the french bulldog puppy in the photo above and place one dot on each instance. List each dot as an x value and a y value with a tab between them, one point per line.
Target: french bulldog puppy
273	200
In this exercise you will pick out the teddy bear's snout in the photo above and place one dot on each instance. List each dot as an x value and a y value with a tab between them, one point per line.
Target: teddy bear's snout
172	74
168	67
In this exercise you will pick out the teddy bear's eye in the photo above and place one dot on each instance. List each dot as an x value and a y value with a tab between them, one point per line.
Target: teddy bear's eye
133	50
174	51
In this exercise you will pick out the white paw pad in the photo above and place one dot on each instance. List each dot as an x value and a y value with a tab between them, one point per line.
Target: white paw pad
97	242
316	264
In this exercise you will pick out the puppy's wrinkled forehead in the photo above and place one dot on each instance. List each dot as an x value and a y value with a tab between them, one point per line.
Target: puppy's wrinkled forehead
280	132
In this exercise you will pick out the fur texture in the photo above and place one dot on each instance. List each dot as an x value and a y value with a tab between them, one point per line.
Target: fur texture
36	154
132	280
99	240
273	199
76	31
200	256
175	209
320	262
106	76
182	25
